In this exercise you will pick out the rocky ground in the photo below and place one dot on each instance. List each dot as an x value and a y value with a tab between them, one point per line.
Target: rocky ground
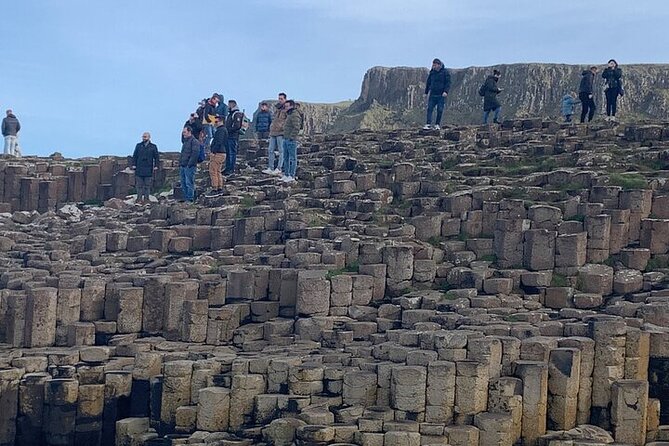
475	286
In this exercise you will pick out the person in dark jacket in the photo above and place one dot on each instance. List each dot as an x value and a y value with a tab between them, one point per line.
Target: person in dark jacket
585	94
613	76
219	147
10	130
209	118
233	124
145	160
436	87
490	102
221	108
190	150
263	122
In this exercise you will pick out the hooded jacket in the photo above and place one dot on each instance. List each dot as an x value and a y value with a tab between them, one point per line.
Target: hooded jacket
587	79
438	81
568	104
293	124
145	158
10	125
233	123
491	90
222	108
220	141
276	127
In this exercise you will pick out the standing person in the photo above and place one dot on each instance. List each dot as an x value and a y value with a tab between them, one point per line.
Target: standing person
233	124
221	108
437	85
263	122
219	146
613	77
209	118
569	102
10	130
585	94
145	160
195	124
291	131
276	137
190	150
489	90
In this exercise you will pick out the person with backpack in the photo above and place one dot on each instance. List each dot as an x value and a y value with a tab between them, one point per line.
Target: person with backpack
234	125
217	157
585	94
145	159
263	122
221	108
568	108
276	137
436	87
190	152
613	76
291	131
489	90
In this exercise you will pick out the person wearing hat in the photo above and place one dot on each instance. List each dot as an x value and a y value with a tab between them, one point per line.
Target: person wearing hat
219	145
436	87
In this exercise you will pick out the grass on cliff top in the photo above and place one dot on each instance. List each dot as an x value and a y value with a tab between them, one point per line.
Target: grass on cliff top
628	181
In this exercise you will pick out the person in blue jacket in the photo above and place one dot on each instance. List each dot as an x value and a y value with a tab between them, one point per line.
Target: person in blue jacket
436	87
263	121
569	103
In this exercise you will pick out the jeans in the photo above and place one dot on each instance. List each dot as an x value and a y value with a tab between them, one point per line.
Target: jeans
143	186
435	101
187	175
231	153
611	101
587	106
275	143
495	118
209	132
290	149
12	145
216	162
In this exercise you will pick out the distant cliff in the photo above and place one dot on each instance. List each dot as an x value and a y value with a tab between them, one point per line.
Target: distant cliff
393	97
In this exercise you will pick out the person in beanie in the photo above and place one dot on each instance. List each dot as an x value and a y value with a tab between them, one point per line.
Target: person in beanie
490	102
190	150
614	87
263	122
219	146
276	137
145	160
10	130
585	94
436	87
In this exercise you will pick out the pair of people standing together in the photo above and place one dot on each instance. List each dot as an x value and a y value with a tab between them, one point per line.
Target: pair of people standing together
284	130
612	76
438	84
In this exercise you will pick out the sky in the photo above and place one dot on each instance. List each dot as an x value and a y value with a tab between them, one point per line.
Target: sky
87	77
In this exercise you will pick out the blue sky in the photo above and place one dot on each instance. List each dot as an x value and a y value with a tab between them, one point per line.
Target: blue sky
87	77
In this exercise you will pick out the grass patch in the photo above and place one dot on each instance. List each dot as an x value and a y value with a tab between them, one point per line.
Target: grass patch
93	202
492	258
559	280
435	241
514	193
247	201
577	217
628	181
354	267
657	263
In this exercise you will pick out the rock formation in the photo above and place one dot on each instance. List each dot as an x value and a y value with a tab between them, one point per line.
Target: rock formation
472	287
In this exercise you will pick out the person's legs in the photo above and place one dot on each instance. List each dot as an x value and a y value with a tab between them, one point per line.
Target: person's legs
6	151
286	157
585	103
140	186
441	103
495	118
271	157
591	112
190	183
567	118
614	103
215	166
209	132
231	162
182	180
279	147
291	149
431	103
486	114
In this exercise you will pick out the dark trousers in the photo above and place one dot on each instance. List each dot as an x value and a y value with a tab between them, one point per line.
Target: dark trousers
587	106
231	155
611	101
435	101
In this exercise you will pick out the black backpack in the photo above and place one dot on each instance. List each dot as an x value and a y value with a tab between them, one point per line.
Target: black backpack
482	90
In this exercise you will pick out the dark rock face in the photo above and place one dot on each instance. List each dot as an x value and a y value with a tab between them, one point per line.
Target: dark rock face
393	97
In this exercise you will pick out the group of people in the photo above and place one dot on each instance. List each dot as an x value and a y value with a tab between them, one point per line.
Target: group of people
438	84
213	130
10	131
